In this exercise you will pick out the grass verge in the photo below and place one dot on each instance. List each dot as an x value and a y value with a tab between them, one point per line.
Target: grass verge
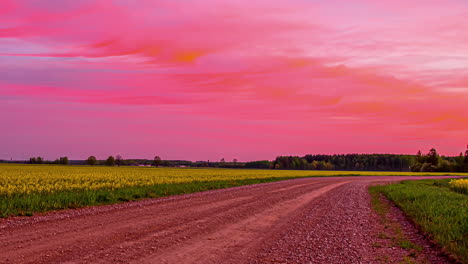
440	213
26	205
393	230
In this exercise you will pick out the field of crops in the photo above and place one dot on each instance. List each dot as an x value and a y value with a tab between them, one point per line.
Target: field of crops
25	179
438	208
30	188
460	185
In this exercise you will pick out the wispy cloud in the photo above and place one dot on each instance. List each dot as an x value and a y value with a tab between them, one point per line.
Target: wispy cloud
257	78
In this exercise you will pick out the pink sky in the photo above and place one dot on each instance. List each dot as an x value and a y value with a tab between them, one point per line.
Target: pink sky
206	79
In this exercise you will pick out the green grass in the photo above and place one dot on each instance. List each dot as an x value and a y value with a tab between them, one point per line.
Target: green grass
438	211
393	230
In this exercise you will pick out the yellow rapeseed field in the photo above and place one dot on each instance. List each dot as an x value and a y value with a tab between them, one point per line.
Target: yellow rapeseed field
460	185
25	179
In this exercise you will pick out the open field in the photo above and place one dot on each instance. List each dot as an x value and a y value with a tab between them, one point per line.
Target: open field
440	212
25	189
309	220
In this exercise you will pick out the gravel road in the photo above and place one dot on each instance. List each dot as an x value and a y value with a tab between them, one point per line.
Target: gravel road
314	220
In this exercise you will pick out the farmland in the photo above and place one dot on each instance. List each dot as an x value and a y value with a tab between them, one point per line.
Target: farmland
439	207
25	189
459	185
308	220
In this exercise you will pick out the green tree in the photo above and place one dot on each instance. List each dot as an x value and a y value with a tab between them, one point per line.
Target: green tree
156	161
419	157
316	165
444	166
118	160
131	163
329	166
110	161
460	160
465	161
416	167
428	167
91	160
260	164
63	160
433	157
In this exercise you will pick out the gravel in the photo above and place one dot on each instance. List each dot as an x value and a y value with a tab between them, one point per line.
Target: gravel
315	220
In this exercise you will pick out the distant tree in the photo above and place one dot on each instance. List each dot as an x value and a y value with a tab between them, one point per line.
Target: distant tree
329	166
419	157
110	161
62	160
427	167
416	167
222	160
315	165
118	160
32	160
234	161
465	161
91	160
433	157
131	163
260	164
460	162
156	161
445	166
39	160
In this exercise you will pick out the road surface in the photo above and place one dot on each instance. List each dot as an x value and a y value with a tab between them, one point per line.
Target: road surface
314	220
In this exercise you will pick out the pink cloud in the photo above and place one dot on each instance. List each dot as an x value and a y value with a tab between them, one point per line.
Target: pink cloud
248	79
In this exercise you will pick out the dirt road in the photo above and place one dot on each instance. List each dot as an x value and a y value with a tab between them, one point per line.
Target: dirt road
316	220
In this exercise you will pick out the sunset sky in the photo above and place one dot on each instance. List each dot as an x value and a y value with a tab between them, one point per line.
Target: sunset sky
212	79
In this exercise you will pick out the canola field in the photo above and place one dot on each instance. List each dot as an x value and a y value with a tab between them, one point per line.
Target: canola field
25	189
460	185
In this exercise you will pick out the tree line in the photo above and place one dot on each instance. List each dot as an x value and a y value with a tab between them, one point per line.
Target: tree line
429	162
353	162
119	161
41	160
432	161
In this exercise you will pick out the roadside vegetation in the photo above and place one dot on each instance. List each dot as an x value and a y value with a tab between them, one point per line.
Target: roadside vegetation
460	185
393	230
437	207
25	189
